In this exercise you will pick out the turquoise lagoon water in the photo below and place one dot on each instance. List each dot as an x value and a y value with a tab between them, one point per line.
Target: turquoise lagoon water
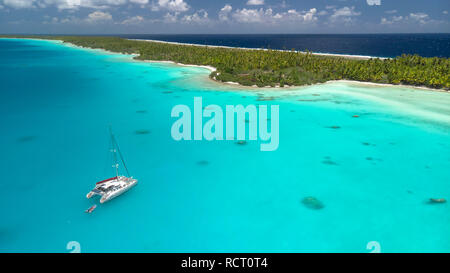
373	174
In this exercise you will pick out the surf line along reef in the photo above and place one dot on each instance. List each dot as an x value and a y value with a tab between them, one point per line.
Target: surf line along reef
213	128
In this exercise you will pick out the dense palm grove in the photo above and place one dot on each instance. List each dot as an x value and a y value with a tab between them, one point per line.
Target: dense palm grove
280	68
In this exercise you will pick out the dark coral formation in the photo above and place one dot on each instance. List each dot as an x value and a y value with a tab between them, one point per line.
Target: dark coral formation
327	160
26	139
437	201
312	100
266	98
312	203
142	132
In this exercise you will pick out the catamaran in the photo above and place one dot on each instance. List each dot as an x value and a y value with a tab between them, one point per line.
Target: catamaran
114	186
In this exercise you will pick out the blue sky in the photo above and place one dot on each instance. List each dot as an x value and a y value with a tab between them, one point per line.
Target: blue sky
230	16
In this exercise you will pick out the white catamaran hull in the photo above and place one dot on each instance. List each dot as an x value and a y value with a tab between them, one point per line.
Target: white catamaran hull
107	197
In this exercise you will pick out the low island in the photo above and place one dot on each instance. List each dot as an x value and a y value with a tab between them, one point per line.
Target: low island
276	68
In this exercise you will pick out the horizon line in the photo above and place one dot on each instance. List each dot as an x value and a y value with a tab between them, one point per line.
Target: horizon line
247	34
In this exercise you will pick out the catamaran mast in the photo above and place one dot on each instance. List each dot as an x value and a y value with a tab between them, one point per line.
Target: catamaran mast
115	150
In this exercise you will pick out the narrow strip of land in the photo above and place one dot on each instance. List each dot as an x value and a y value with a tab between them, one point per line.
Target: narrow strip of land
276	68
357	57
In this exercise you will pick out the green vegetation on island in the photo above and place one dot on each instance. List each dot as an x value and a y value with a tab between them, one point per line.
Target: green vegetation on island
278	68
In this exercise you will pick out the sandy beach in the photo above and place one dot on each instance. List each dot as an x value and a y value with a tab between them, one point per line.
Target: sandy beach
210	68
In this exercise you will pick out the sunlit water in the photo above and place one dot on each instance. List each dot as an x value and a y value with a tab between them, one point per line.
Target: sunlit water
373	174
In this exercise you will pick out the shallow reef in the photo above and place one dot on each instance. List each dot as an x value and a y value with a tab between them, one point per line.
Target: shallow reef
433	201
327	160
367	144
312	100
203	162
26	139
142	132
265	98
312	203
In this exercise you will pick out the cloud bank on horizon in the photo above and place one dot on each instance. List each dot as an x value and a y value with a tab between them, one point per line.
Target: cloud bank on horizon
373	2
232	16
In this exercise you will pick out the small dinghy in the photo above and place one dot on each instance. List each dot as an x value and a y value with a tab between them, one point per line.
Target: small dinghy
91	209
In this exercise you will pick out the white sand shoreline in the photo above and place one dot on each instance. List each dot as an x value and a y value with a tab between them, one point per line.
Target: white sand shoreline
390	85
210	68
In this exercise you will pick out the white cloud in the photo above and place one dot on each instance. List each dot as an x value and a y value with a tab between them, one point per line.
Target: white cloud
373	2
68	4
171	18
419	17
346	11
344	14
255	2
133	20
174	5
385	21
76	4
308	16
19	4
269	17
445	12
70	20
249	15
98	16
199	17
391	11
394	19
224	12
141	2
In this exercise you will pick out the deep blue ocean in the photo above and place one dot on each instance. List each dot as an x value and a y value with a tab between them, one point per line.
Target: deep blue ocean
378	45
373	175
